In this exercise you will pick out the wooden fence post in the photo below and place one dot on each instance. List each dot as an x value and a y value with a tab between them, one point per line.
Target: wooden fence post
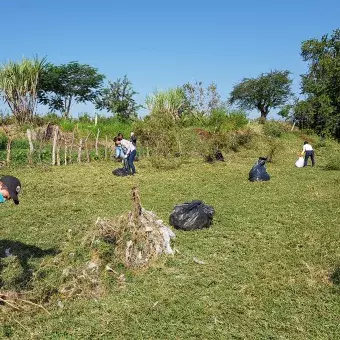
29	137
79	150
105	148
55	139
96	146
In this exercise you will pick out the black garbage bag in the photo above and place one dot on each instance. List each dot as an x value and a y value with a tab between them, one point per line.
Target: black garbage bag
259	172
211	158
191	216
219	156
120	172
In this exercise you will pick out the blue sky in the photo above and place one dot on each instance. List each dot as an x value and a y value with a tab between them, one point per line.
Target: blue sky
164	44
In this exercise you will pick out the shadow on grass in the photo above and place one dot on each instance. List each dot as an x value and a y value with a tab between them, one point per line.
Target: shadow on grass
15	269
335	276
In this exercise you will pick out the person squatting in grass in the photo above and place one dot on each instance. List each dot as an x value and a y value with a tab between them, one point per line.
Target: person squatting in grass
130	153
119	152
309	152
9	189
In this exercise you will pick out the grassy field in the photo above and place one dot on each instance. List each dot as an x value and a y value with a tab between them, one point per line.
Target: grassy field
267	258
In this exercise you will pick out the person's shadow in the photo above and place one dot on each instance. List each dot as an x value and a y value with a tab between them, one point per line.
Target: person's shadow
23	252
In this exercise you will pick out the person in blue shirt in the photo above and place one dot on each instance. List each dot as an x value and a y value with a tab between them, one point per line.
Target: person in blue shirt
9	189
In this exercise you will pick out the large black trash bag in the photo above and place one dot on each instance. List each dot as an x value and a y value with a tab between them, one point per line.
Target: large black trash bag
192	215
258	172
120	172
218	156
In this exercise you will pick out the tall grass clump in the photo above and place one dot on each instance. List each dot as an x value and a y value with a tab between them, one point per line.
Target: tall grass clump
19	87
333	160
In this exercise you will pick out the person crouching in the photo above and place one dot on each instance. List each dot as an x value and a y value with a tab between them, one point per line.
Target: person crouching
9	189
130	154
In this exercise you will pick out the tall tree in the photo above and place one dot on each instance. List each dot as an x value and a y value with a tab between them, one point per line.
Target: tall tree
321	84
19	87
268	91
61	85
118	98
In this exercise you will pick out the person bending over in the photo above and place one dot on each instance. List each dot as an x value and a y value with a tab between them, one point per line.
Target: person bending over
130	153
9	189
309	152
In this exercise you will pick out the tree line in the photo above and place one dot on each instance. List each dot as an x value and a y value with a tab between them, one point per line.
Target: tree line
26	83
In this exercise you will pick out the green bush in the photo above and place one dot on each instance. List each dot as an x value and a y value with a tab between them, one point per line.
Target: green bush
3	142
222	120
159	134
165	163
273	129
333	160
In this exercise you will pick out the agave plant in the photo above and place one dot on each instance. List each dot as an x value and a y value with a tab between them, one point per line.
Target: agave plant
19	87
171	101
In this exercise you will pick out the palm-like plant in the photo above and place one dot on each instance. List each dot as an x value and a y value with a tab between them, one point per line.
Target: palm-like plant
19	87
171	101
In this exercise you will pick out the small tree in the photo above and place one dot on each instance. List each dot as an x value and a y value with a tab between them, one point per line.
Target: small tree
61	85
118	99
201	101
19	87
270	90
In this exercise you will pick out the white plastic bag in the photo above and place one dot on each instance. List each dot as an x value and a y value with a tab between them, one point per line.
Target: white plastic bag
300	162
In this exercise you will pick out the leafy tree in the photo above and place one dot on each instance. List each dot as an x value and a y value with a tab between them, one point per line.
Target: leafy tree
321	84
201	101
61	85
118	98
268	91
19	87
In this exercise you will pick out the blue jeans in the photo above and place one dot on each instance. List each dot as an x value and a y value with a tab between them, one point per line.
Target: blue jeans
119	152
311	155
131	157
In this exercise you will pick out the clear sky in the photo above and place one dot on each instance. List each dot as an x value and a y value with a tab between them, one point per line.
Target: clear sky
161	44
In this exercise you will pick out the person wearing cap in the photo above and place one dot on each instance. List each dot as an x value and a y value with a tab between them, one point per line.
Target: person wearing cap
9	189
309	152
130	154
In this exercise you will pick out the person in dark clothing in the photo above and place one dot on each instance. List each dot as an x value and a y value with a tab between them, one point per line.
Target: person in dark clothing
133	138
309	153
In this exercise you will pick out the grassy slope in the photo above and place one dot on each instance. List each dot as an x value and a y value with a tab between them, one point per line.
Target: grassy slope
267	256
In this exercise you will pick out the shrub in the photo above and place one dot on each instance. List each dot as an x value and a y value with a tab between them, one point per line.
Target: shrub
165	163
3	142
333	161
222	120
273	129
239	139
159	133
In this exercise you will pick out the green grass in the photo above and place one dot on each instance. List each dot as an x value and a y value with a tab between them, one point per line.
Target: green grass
267	258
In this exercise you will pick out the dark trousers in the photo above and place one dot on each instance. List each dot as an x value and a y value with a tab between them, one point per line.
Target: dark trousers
311	155
131	157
